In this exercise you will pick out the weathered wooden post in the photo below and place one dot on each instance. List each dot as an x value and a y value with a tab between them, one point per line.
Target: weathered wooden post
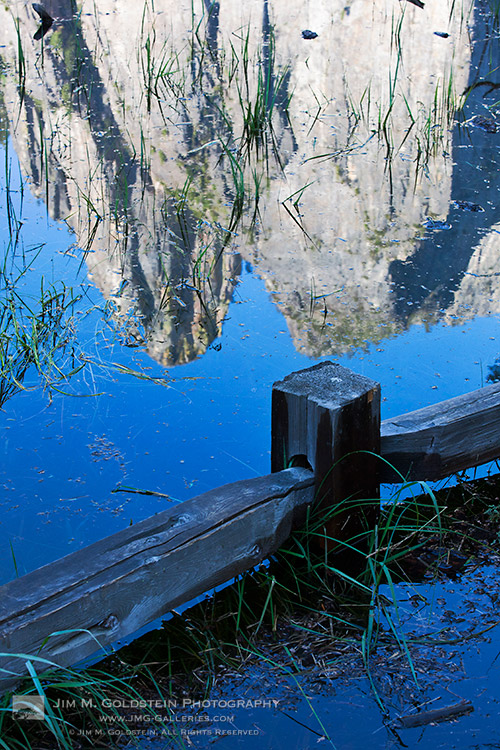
328	417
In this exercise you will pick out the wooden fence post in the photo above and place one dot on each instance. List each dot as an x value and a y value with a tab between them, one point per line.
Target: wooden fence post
328	417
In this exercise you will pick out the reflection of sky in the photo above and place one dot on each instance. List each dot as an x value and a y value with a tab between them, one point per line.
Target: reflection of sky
60	461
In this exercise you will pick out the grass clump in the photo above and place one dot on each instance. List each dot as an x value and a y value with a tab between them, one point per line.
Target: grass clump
80	709
36	334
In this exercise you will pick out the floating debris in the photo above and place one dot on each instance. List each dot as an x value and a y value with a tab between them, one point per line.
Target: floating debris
102	449
435	715
307	34
468	206
487	124
442	34
435	224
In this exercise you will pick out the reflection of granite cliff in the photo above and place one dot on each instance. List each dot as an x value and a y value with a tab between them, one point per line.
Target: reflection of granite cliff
159	260
136	163
360	210
450	272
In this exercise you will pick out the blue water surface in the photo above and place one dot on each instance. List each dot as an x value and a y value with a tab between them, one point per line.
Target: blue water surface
205	424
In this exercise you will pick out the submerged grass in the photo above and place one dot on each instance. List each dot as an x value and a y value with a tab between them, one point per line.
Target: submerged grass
163	74
21	66
259	107
37	327
36	334
398	121
242	132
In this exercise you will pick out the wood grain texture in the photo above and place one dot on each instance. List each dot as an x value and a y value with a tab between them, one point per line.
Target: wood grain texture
112	588
439	440
329	417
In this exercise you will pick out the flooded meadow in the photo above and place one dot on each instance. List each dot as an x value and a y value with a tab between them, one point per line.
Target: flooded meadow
198	198
196	203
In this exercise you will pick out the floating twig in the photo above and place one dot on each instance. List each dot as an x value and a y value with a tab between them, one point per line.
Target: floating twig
434	715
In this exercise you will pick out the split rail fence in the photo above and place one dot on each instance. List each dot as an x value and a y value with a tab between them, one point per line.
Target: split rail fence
326	426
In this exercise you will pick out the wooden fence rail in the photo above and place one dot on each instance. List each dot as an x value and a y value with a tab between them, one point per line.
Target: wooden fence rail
445	438
326	420
110	589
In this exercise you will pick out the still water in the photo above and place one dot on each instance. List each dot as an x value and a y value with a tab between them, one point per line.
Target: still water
230	202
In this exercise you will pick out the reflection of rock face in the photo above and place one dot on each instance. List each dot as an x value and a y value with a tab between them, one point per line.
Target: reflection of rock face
168	300
479	290
131	127
157	257
360	210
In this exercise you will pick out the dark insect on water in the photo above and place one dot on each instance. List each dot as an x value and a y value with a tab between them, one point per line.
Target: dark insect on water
45	18
468	206
307	34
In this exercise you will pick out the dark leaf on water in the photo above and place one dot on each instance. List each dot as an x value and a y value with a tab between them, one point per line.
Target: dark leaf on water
468	206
